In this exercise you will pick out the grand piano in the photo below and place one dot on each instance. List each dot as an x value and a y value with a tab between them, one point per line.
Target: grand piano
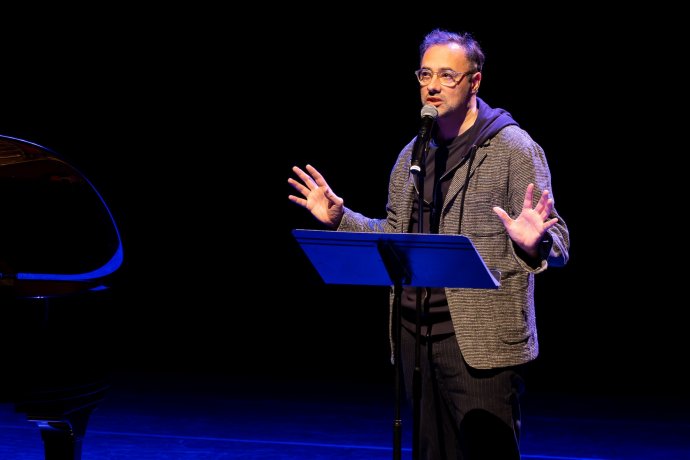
60	251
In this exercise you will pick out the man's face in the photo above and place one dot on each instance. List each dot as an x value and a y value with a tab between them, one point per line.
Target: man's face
443	60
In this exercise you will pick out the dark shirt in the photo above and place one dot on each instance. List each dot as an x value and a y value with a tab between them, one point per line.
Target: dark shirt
441	161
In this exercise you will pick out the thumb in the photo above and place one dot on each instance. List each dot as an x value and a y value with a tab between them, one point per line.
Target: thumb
332	196
505	218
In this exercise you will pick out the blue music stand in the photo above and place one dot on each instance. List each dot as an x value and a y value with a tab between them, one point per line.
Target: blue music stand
397	259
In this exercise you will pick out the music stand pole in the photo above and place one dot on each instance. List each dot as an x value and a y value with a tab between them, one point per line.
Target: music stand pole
399	274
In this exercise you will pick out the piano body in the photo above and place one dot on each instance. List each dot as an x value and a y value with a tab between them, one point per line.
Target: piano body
59	251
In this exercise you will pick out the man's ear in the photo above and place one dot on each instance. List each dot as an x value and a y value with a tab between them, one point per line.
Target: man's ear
476	81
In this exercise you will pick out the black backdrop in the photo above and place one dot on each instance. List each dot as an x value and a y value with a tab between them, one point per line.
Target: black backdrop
188	125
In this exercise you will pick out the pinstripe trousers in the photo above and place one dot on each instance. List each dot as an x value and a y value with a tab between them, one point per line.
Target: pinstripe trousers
464	413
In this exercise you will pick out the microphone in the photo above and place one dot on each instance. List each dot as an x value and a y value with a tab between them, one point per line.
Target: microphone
421	144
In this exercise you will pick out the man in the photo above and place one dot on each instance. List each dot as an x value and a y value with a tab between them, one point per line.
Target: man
480	177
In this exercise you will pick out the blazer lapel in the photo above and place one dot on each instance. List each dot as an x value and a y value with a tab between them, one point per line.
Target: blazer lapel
458	183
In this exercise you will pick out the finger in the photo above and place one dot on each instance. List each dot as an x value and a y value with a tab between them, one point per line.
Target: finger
297	200
550	223
306	178
547	209
318	178
542	205
527	203
505	218
299	187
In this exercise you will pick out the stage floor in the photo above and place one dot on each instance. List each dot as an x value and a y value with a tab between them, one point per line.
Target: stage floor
194	417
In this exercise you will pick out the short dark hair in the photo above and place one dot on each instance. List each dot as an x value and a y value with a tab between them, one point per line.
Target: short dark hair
468	43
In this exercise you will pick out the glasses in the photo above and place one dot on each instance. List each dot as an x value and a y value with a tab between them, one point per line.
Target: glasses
446	77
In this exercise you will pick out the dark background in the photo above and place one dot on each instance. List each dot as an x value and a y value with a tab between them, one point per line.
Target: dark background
188	124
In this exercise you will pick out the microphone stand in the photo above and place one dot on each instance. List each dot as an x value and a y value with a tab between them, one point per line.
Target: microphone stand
418	169
417	375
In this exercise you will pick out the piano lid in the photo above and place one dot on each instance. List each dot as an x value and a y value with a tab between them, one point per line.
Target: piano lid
57	235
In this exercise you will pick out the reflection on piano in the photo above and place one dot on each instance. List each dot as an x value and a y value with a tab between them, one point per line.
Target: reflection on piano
59	250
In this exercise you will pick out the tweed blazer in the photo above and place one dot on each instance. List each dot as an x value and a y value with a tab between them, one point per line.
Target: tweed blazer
494	327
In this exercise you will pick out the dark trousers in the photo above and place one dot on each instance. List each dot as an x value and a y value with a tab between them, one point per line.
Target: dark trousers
465	413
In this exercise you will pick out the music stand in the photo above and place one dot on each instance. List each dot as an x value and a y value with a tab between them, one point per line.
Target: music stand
396	259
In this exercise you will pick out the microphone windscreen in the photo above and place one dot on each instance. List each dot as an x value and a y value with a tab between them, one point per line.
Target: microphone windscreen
429	111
